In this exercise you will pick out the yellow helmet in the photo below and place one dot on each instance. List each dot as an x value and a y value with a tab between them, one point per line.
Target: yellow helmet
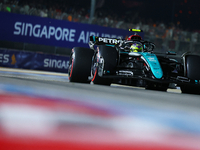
136	47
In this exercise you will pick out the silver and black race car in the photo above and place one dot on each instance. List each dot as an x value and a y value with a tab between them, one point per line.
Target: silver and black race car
133	62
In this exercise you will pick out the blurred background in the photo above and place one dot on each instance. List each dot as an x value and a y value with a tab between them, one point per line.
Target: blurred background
171	25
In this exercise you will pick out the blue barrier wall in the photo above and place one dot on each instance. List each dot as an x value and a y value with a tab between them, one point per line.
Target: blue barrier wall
35	61
46	31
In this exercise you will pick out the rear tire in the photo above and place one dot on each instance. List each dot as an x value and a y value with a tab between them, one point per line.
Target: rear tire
192	71
80	65
190	89
192	67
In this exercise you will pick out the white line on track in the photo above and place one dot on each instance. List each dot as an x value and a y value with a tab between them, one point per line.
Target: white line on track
32	71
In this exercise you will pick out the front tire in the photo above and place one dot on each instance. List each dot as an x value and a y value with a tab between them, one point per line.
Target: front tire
110	57
80	65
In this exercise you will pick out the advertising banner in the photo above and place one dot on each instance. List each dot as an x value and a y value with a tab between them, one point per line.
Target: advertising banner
35	61
46	31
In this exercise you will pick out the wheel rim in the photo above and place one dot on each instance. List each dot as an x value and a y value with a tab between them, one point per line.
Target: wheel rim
94	67
71	65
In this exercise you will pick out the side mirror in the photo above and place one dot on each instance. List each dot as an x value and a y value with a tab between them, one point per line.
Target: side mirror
149	46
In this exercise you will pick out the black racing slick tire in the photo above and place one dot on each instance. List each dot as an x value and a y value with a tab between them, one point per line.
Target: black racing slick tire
190	89
110	57
192	70
80	65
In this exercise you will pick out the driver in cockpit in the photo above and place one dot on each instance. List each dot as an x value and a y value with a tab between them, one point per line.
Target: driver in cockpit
136	46
140	45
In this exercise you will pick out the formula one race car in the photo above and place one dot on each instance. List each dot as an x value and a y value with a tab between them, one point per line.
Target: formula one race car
129	61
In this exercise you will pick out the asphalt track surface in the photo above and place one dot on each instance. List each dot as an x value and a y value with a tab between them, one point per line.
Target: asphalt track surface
170	115
59	81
